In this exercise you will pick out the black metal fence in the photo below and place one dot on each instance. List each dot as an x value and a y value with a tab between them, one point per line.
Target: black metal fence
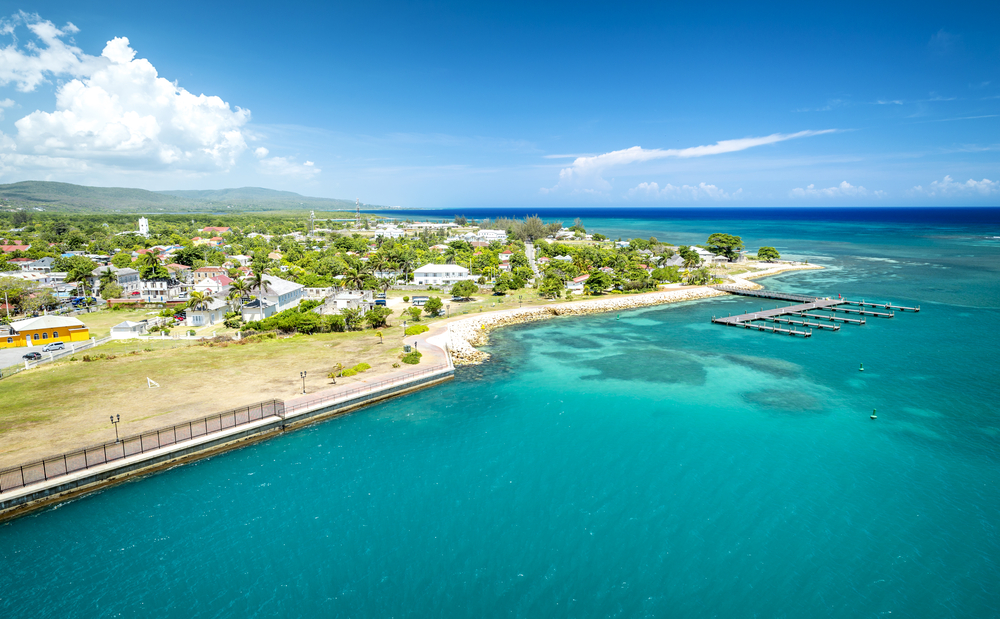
64	464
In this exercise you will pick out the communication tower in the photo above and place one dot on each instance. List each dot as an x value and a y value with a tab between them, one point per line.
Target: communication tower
357	210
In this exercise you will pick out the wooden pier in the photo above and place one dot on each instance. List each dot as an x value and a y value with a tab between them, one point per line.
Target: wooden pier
805	309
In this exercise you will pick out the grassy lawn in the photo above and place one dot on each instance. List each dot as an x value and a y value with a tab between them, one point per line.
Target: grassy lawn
100	323
65	405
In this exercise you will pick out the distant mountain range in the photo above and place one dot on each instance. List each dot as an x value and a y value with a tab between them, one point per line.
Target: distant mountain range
81	199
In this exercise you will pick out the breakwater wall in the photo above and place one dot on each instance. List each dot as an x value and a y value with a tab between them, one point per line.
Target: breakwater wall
465	335
22	500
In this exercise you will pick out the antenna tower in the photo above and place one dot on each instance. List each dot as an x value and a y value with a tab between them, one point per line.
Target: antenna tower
357	216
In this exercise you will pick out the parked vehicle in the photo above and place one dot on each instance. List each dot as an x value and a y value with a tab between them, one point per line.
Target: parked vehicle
32	356
53	346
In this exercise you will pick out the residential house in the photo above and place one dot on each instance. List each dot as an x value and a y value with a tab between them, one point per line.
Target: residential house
440	274
128	330
126	277
43	265
348	299
160	289
214	285
577	284
257	310
181	272
492	235
204	273
7	249
217	229
214	313
282	293
44	330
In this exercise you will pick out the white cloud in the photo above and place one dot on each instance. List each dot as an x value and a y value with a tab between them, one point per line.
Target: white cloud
285	166
843	190
585	173
948	187
688	193
28	68
116	111
261	152
5	103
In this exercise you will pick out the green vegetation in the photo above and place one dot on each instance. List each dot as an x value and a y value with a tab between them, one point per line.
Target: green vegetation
413	357
464	289
417	329
433	306
768	254
78	198
725	245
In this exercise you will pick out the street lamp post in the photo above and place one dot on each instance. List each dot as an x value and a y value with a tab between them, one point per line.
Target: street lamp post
115	422
303	375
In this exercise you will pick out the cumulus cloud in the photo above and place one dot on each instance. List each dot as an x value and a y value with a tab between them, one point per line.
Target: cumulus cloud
948	187
114	111
843	190
261	152
285	166
687	193
585	175
3	104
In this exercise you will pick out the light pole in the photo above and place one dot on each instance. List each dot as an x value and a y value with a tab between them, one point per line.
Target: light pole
115	422
447	310
303	375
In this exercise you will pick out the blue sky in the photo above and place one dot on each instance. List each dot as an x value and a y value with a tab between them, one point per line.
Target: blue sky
540	104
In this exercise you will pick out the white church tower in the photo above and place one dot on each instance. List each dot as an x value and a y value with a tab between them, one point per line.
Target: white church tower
143	226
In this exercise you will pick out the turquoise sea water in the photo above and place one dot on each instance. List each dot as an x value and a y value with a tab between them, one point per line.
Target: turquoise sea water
656	465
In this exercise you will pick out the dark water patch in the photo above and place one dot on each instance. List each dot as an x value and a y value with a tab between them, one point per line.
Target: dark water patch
784	400
775	367
574	341
649	365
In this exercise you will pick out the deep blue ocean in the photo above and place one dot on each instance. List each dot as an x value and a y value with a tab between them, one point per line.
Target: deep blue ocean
652	465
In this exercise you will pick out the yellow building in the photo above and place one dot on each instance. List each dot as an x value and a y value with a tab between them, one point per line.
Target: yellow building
44	330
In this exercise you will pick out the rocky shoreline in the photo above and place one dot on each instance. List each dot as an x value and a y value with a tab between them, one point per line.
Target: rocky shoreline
465	335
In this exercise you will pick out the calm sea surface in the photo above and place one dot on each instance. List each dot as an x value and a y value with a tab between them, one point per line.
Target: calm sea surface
652	465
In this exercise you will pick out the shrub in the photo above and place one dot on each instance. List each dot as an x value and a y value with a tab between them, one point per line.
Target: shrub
395	365
87	359
349	372
416	329
414	313
412	358
72	358
406	299
361	367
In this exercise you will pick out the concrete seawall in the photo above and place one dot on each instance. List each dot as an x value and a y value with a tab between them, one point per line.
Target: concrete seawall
18	502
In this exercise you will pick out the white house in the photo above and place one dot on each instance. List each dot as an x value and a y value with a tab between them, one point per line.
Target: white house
144	226
257	310
282	293
348	299
214	313
492	235
128	330
440	274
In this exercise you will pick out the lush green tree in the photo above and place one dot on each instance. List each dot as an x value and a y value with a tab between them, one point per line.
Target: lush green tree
598	282
414	313
667	274
352	317
378	316
689	256
111	291
464	289
598	237
768	254
699	277
433	306
725	245
122	259
199	300
75	267
551	287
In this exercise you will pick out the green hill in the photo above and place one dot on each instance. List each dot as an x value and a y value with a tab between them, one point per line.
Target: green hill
50	196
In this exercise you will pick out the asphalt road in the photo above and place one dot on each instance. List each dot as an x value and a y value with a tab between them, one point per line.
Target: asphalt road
13	356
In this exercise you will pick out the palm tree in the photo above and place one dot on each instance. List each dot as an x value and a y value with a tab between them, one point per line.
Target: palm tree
354	278
199	300
258	282
385	284
108	277
239	288
406	266
379	334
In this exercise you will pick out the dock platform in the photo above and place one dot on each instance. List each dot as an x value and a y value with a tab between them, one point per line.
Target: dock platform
806	309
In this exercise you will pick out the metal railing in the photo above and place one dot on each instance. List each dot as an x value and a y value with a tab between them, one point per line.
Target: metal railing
349	394
71	462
